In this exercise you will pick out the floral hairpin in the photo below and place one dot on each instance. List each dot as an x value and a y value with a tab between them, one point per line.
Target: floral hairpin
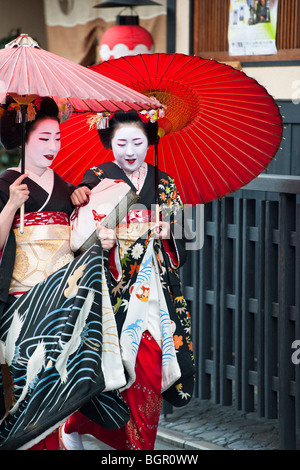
21	102
33	104
152	115
99	120
64	110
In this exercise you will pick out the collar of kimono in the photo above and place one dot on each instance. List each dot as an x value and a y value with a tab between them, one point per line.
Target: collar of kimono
138	176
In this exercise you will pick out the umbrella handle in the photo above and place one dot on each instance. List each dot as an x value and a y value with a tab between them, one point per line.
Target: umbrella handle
23	130
22	210
156	214
156	184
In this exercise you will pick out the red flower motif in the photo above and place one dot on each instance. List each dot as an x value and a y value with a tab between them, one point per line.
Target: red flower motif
134	267
178	341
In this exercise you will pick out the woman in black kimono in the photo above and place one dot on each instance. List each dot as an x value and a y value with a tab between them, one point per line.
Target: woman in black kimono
44	193
51	334
151	313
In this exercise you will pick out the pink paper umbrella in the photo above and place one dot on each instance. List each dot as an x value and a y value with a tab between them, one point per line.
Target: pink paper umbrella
27	71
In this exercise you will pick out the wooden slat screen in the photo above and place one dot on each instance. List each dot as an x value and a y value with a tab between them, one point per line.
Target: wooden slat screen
211	19
288	32
242	295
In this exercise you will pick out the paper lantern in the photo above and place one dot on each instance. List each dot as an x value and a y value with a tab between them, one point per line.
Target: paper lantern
127	37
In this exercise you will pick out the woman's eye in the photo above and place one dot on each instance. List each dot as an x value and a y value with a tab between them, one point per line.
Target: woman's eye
44	140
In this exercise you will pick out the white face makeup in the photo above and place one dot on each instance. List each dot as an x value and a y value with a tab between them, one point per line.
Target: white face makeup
129	146
42	146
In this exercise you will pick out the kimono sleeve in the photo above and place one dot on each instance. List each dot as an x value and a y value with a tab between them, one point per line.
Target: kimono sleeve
115	264
173	212
4	191
91	178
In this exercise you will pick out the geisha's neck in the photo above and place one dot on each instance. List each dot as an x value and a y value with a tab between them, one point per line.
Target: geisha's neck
45	179
137	177
34	170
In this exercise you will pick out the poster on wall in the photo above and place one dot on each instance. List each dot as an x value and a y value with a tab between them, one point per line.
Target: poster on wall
252	27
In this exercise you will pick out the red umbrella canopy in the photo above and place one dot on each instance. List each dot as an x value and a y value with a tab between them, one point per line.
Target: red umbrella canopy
26	69
221	128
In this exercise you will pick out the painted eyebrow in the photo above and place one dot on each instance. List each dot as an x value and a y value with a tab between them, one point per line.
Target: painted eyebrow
124	140
49	132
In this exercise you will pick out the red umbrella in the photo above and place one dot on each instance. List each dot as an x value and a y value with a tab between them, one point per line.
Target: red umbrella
221	128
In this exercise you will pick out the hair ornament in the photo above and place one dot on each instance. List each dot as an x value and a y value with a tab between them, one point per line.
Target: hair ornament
20	102
99	121
30	112
151	116
64	110
32	105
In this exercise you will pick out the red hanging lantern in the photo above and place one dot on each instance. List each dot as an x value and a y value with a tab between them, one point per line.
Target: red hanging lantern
126	38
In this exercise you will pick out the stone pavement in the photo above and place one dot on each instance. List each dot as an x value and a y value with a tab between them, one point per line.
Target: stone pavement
203	425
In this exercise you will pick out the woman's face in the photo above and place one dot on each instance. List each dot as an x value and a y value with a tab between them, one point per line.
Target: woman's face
129	145
42	146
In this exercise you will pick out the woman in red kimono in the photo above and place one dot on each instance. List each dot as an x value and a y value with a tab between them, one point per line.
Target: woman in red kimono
151	313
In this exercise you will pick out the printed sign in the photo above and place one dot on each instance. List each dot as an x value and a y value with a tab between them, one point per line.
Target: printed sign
252	27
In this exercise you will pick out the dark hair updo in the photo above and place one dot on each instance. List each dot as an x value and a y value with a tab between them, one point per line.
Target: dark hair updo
129	117
10	130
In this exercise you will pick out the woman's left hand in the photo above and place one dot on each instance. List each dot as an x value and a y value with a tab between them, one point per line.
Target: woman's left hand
107	237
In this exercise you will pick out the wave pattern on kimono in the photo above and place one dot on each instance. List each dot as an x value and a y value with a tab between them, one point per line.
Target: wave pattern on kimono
147	289
61	344
134	235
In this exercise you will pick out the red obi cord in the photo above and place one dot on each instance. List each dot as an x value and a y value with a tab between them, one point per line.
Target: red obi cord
42	218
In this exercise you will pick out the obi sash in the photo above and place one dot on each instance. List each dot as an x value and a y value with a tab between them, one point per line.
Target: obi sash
42	249
134	226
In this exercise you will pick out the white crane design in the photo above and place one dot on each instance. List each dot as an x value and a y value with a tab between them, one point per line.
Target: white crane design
72	345
34	365
7	348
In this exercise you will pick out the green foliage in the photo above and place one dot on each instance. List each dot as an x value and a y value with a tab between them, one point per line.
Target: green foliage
14	33
8	158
